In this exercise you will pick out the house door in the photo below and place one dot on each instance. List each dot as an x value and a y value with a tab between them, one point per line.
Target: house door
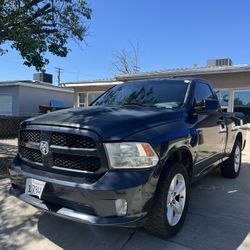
5	104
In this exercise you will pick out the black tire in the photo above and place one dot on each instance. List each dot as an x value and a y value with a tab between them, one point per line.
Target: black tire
228	168
157	223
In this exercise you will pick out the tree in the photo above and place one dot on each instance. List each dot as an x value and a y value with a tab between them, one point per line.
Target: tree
126	61
34	27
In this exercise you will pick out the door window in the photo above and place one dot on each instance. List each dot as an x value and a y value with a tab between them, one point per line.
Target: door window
202	93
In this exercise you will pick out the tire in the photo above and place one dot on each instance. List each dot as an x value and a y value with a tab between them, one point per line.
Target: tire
231	167
160	223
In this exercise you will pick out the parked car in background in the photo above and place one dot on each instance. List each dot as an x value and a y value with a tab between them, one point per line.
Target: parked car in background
129	158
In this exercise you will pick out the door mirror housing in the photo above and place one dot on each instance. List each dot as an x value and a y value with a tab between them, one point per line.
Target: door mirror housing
212	104
207	105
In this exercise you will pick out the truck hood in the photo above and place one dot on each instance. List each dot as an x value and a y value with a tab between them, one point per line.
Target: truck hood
111	123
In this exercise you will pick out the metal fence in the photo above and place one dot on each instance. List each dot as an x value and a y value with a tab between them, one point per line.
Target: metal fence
9	126
8	150
8	141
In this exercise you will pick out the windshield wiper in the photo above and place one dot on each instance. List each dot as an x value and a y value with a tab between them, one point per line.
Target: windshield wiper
145	105
141	104
136	104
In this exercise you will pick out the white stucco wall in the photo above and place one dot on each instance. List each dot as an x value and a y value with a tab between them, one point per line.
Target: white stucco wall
30	99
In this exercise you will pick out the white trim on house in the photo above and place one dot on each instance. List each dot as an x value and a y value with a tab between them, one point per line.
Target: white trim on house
83	84
183	72
35	85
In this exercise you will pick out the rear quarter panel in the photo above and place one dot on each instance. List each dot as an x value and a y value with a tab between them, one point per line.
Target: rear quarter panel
234	127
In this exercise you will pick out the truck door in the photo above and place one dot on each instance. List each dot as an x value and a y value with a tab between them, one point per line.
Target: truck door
211	128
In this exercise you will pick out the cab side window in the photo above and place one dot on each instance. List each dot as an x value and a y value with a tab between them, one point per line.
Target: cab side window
201	94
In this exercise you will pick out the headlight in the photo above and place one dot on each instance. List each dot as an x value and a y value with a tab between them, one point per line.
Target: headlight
131	155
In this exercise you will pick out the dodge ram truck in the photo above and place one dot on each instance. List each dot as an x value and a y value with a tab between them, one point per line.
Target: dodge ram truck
130	157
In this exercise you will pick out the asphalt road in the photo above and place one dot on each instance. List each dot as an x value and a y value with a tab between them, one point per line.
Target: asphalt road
218	218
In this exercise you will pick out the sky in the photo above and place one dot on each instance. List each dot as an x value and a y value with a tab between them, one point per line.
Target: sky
171	34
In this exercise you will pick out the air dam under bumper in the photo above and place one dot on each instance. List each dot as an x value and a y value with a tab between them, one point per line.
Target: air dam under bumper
92	203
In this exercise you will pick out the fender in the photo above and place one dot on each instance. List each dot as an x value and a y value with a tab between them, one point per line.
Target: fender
169	138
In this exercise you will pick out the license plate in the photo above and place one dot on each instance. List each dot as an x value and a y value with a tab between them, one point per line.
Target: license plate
34	187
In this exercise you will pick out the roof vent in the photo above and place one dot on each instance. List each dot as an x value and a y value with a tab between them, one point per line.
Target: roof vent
43	77
219	62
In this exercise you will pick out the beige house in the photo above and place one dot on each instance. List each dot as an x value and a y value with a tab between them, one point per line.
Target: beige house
232	84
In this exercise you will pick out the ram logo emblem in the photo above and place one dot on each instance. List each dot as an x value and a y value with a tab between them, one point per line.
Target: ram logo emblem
44	147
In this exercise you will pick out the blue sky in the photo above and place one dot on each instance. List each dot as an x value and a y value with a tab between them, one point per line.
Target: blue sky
171	34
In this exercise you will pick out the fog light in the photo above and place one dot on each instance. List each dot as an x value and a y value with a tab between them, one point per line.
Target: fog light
121	207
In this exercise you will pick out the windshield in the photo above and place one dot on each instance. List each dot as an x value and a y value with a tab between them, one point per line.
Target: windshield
160	93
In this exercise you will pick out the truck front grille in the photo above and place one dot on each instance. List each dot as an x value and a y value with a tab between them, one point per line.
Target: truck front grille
30	154
73	152
30	136
71	140
82	163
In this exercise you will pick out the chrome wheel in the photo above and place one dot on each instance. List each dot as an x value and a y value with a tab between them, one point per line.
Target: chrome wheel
176	199
237	156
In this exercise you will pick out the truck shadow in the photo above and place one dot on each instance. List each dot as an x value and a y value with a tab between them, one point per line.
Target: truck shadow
73	235
218	218
14	221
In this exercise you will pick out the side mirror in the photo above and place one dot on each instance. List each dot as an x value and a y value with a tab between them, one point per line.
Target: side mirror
212	104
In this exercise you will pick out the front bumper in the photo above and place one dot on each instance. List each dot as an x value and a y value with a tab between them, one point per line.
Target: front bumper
90	203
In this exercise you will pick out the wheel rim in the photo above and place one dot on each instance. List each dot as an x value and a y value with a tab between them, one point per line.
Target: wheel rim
237	155
176	199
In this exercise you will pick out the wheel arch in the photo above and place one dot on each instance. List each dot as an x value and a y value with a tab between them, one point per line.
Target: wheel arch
182	155
239	137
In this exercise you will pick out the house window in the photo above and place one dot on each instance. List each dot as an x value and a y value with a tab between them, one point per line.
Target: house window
223	96
82	99
92	96
86	98
242	104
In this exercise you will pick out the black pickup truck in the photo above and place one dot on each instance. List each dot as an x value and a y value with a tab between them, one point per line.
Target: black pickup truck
130	157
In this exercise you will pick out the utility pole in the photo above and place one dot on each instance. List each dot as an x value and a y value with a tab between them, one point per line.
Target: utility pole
59	73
